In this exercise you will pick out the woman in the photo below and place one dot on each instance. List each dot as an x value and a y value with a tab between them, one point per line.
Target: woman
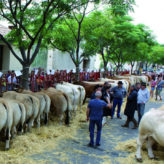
106	98
153	84
159	88
130	108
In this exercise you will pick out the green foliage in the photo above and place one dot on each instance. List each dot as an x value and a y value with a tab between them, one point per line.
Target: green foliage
41	59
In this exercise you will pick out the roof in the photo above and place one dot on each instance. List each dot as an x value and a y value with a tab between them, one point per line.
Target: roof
4	30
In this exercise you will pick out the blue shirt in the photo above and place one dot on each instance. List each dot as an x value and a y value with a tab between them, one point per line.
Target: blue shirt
160	84
96	109
118	93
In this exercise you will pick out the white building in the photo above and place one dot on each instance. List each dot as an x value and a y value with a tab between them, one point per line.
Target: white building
48	59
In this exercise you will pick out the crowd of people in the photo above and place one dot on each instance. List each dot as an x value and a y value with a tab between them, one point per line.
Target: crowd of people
156	86
39	78
105	99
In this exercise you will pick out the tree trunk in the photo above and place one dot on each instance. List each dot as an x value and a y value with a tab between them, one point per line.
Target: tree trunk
25	76
105	70
77	73
132	65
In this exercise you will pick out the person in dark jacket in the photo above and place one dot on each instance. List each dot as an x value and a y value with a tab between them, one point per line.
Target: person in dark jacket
130	108
106	97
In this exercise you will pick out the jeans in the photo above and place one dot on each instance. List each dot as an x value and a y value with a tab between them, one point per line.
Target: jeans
115	103
92	124
141	108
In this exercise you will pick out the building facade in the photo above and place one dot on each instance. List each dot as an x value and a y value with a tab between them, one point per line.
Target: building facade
50	59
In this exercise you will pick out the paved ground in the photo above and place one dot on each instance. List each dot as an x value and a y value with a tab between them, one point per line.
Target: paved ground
75	150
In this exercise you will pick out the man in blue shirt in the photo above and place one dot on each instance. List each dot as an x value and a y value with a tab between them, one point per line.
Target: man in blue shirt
94	115
118	92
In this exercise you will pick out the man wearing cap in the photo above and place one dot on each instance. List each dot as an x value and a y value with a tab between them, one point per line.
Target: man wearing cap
94	115
119	92
142	98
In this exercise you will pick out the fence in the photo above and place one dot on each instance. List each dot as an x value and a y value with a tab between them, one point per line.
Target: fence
43	80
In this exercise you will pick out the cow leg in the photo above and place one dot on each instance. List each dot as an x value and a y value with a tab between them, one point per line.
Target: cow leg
46	118
14	131
80	107
140	141
20	129
150	143
7	136
38	121
61	119
30	124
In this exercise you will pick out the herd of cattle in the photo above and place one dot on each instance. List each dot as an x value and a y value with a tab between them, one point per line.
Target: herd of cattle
20	110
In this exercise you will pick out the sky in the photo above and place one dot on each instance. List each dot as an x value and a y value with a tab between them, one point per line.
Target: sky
148	12
151	13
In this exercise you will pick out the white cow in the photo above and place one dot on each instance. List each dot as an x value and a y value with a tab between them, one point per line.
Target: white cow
151	129
31	103
72	92
80	89
12	115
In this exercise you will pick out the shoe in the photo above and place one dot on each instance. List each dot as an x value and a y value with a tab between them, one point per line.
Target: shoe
119	117
125	126
135	127
97	145
90	145
111	117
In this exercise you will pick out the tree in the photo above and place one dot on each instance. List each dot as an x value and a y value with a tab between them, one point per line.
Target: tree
157	55
75	23
30	21
98	34
69	35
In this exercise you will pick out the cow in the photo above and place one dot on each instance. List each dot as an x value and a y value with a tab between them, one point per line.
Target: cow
80	89
151	129
72	93
13	115
4	121
115	82
31	103
45	103
42	102
60	104
89	87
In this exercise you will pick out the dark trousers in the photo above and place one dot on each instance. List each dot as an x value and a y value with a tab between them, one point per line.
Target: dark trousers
140	108
129	119
92	124
116	102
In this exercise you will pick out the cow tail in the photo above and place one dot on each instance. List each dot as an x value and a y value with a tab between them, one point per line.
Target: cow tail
23	116
67	120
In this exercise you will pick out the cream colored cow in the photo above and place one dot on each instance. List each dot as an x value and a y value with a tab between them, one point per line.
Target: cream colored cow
151	129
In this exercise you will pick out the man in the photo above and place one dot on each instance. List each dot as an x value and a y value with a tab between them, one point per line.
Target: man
142	98
138	86
106	84
160	84
119	92
96	88
94	115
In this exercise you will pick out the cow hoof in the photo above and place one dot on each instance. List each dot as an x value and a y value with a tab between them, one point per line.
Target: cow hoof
139	160
6	149
154	158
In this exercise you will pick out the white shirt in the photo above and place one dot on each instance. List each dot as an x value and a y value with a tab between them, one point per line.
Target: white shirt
143	96
14	80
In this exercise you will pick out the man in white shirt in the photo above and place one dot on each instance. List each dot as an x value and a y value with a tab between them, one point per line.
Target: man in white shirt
11	81
142	99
